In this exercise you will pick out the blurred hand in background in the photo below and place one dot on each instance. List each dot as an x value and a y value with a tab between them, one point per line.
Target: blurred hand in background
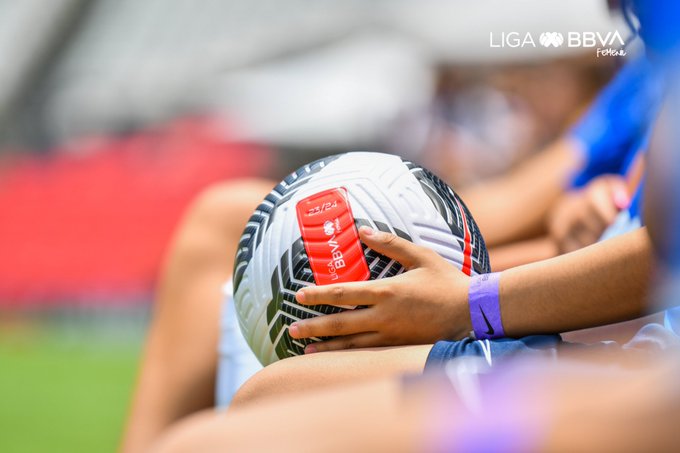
581	216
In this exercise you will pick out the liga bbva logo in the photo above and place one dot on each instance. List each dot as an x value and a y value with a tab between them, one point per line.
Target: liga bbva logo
606	44
549	39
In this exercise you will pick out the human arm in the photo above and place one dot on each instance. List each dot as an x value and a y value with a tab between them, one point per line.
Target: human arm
506	256
530	189
605	140
604	283
600	284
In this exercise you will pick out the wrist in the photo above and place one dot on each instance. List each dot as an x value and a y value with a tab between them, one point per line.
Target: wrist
456	325
484	305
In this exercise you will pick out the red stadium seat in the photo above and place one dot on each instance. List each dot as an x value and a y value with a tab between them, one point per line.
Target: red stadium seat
91	222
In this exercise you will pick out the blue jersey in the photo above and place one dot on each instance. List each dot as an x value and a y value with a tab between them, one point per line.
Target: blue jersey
618	123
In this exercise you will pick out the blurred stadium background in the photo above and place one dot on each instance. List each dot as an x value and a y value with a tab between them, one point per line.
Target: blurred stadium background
115	113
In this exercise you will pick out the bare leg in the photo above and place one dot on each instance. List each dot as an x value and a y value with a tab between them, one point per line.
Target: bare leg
177	373
371	416
527	408
300	374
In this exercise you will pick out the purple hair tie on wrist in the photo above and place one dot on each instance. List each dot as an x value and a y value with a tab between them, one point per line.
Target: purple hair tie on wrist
485	310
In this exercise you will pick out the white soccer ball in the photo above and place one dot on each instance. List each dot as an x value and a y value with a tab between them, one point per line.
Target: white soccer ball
305	233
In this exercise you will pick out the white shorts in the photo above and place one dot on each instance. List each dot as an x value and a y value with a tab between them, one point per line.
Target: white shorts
237	363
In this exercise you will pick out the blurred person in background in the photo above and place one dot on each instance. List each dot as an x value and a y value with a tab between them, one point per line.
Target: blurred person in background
200	244
571	192
486	119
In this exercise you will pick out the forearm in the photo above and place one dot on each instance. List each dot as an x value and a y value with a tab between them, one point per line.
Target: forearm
514	207
601	284
504	257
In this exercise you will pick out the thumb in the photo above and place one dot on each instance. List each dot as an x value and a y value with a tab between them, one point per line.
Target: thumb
405	252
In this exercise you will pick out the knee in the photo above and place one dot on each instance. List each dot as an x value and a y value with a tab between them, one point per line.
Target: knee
213	223
269	382
230	203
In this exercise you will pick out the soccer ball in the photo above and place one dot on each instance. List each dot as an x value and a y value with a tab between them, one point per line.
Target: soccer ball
305	233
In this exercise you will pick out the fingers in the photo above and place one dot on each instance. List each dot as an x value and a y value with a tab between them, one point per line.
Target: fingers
352	293
581	232
586	236
360	340
569	244
603	205
592	223
598	208
344	323
405	252
605	202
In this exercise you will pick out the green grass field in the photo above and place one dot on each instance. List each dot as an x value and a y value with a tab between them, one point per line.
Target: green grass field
64	390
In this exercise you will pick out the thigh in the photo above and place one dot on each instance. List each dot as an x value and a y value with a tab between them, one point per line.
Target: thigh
377	415
297	374
177	372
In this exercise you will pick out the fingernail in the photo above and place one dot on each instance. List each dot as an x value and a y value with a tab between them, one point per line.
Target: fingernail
368	231
294	330
310	349
300	296
621	199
